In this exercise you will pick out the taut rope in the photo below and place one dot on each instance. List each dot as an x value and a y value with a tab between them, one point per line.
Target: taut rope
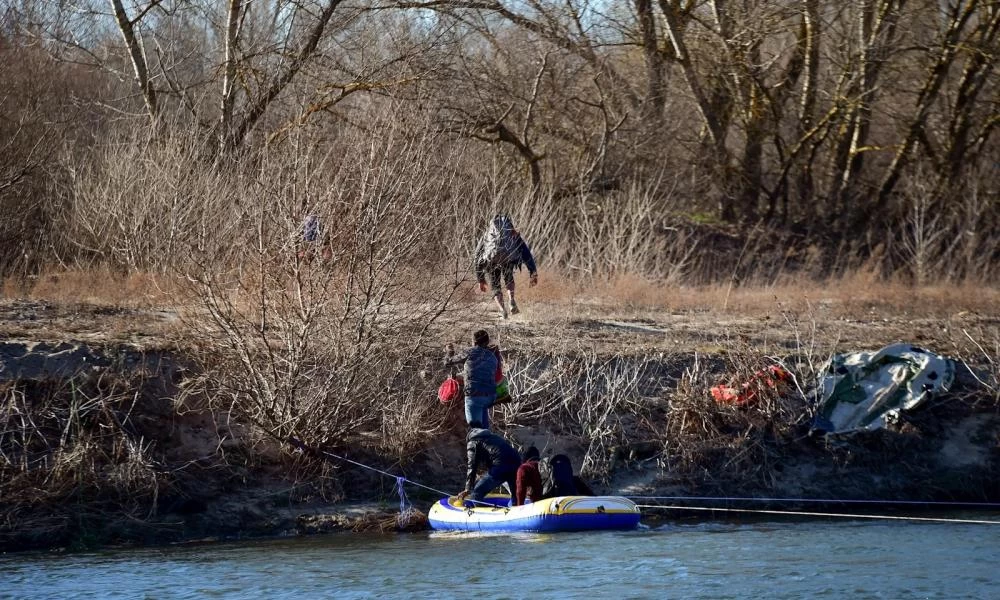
403	501
819	514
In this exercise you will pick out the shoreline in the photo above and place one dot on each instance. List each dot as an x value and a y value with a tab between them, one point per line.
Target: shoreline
204	476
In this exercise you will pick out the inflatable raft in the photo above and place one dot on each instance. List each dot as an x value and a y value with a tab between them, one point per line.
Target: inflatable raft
563	513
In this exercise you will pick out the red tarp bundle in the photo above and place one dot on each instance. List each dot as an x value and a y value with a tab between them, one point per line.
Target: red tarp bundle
771	377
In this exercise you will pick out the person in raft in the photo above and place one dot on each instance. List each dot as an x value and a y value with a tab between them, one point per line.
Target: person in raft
487	449
529	479
479	377
499	252
561	481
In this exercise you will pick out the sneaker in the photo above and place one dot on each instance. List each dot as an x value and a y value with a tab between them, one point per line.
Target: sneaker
513	308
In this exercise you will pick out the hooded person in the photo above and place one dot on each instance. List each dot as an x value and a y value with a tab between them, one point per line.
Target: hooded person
561	481
529	479
485	449
498	253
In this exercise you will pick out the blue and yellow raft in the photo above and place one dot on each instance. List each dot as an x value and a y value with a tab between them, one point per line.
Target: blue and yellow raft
563	513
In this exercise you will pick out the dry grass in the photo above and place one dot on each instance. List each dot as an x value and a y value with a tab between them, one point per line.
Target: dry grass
410	520
855	295
852	296
715	446
101	287
72	446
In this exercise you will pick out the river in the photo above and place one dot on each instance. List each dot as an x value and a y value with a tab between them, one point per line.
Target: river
769	559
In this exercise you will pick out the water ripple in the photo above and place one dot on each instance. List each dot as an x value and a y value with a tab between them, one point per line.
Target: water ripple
706	560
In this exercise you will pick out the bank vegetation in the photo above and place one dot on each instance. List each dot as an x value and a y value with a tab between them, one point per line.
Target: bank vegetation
668	143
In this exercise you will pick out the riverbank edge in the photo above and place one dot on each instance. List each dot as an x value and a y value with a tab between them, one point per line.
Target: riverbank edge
263	505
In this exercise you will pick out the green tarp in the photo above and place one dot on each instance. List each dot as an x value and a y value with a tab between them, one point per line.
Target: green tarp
860	391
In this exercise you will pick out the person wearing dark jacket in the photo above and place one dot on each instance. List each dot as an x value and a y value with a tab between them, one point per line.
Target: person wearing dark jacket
529	480
498	253
487	449
561	481
479	378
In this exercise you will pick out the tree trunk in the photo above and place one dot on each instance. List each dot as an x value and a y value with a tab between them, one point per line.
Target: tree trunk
810	37
925	100
876	23
716	131
258	106
655	86
229	76
138	58
755	125
975	74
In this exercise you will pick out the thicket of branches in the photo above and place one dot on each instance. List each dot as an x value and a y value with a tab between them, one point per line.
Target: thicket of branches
72	455
668	140
862	130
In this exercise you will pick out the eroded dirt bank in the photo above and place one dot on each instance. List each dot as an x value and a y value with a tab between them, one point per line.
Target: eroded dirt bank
104	440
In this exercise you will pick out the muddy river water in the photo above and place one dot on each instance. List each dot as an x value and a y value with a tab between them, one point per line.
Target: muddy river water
764	559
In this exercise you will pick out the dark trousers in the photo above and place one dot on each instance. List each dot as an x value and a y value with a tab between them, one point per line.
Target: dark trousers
504	271
493	478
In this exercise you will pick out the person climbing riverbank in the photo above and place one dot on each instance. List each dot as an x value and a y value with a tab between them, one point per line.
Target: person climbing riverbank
479	377
487	449
499	252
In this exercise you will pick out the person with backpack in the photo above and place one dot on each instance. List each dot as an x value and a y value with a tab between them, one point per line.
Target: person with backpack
499	252
479	377
529	479
487	449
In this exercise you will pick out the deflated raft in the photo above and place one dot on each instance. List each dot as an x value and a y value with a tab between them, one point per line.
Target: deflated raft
563	513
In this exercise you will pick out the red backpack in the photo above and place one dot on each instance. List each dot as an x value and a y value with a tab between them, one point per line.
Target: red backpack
450	390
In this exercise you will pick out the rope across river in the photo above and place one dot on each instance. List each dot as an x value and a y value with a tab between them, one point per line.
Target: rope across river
400	480
819	514
777	500
403	501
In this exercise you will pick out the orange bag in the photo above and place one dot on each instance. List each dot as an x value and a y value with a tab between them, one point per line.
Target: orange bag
745	394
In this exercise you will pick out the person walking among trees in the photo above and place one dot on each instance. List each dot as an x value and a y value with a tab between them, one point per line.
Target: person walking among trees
499	252
479	378
487	449
313	240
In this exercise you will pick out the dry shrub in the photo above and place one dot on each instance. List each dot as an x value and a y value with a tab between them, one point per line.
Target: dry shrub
142	201
72	446
726	446
600	401
46	106
98	286
593	237
978	354
929	244
411	519
324	343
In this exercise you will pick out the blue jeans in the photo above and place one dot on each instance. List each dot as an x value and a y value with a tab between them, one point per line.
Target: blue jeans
477	408
488	482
